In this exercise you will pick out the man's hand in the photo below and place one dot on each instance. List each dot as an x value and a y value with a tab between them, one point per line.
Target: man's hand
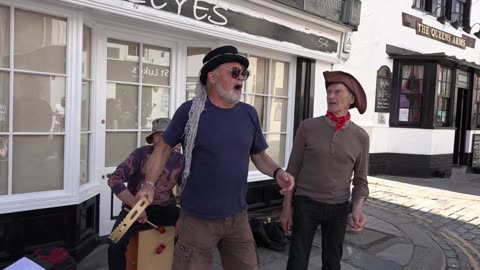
143	217
286	218
286	181
358	220
145	191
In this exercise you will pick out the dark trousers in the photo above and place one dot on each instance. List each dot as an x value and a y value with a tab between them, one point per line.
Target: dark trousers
159	215
307	215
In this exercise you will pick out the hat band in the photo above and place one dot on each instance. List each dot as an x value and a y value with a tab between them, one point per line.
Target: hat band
219	56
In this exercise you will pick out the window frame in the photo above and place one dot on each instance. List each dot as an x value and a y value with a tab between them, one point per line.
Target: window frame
46	199
447	82
449	10
430	98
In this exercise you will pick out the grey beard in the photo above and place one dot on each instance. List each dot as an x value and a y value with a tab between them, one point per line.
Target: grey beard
228	96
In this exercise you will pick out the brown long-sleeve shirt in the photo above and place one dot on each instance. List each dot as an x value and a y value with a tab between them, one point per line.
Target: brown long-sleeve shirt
323	160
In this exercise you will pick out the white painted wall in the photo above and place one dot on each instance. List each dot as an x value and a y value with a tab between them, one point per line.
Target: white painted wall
381	24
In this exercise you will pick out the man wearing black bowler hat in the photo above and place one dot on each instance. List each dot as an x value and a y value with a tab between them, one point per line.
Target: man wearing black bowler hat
220	135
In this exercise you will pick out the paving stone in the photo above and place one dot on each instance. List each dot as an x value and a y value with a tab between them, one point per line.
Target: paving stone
450	254
366	237
400	253
445	247
453	263
475	231
468	236
460	230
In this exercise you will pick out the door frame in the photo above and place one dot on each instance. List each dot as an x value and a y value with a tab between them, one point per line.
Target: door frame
109	205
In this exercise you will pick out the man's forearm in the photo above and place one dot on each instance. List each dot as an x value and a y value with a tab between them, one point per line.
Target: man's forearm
127	198
156	162
287	199
264	163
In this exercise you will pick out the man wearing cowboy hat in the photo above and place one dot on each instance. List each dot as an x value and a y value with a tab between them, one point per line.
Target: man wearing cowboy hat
327	150
163	210
220	135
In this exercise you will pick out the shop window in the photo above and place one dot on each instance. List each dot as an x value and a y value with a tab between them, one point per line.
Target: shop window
194	64
32	101
411	95
476	102
85	131
267	91
138	91
444	85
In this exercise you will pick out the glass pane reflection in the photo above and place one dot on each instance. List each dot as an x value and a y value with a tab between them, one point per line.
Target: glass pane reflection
40	42
39	104
3	165
122	63
122	106
155	104
37	163
118	145
4	100
156	65
4	36
278	115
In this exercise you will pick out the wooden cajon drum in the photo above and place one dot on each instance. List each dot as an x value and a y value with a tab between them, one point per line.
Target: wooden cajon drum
141	250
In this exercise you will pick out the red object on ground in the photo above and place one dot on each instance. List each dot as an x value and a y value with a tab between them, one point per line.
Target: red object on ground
161	230
160	249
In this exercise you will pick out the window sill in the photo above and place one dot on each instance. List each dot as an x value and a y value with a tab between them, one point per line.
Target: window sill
43	200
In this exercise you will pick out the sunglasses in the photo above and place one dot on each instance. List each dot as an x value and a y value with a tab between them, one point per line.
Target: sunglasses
237	72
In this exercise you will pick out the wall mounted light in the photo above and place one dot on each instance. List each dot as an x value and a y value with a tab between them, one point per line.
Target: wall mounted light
468	28
442	19
455	24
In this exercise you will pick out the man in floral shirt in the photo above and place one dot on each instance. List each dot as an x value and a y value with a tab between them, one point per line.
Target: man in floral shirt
163	210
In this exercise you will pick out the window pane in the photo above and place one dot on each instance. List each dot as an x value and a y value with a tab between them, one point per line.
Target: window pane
260	105
155	104
278	115
3	165
118	145
84	146
37	163
156	65
4	36
86	52
276	149
194	64
122	106
39	103
4	100
40	42
85	106
122	64
257	83
418	72
280	75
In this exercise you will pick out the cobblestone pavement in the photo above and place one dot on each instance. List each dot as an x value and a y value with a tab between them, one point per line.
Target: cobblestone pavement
448	210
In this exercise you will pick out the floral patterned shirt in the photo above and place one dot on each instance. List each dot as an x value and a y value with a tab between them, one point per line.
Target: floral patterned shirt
132	171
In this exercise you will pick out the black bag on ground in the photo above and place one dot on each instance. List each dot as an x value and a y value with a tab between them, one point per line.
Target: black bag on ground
268	234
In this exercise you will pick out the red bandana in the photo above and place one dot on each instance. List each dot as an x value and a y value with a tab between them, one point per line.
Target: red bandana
341	121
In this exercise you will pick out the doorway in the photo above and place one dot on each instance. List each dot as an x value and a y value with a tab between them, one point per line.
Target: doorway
137	90
460	127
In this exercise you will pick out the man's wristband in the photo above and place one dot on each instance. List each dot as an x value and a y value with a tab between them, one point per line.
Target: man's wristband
275	173
151	184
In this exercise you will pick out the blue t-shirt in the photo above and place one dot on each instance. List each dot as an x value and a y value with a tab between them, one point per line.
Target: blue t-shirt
226	138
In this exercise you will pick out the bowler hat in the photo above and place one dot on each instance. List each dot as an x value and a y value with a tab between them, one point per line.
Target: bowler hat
352	84
158	125
218	56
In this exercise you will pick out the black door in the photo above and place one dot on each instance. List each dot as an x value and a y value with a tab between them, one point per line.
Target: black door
460	128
